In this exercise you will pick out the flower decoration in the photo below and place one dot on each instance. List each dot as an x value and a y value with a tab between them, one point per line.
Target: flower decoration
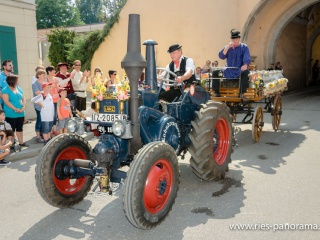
98	90
276	86
255	77
122	90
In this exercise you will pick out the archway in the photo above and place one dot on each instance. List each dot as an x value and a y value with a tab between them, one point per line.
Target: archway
264	32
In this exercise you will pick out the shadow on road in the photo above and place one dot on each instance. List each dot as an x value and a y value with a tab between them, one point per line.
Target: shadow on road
269	153
197	203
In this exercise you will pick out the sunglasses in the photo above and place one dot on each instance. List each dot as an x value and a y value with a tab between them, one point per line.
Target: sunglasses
77	65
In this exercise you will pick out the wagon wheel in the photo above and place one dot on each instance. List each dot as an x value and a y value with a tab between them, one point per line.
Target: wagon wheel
276	112
257	124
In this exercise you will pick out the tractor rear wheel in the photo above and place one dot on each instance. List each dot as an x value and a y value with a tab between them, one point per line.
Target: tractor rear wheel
55	188
211	141
151	185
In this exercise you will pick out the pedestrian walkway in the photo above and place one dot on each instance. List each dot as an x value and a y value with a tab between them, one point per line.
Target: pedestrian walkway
34	149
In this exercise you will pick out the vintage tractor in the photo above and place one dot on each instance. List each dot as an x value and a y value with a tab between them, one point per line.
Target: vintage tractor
148	140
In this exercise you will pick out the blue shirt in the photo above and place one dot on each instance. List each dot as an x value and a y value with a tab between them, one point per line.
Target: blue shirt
236	57
16	99
3	82
36	87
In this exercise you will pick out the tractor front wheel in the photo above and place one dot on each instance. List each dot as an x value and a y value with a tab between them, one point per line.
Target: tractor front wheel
151	185
54	187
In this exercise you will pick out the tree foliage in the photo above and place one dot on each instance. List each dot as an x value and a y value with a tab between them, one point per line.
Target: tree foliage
91	11
112	6
85	46
56	13
67	46
61	40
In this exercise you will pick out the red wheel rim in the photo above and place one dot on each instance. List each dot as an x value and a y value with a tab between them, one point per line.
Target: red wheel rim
158	186
221	141
69	186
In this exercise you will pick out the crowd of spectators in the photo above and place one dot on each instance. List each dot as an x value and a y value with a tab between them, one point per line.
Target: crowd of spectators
57	96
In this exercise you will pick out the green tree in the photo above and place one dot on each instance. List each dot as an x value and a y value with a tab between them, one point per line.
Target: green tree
91	11
61	40
84	46
56	13
112	6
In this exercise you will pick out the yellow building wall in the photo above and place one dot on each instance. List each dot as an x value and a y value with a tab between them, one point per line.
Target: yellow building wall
201	27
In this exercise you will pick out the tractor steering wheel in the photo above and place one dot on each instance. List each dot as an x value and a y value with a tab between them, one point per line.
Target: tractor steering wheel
165	80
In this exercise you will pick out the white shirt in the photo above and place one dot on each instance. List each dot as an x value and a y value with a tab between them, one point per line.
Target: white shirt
62	82
77	86
189	65
47	111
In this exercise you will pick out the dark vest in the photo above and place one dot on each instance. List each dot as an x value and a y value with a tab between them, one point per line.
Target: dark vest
182	71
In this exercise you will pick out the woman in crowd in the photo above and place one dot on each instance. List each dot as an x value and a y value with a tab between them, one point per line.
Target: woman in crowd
112	80
37	89
54	94
14	107
97	71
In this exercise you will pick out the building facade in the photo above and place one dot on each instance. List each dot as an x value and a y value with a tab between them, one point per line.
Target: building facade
18	39
275	30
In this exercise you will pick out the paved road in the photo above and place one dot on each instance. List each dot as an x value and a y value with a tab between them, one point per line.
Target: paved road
275	181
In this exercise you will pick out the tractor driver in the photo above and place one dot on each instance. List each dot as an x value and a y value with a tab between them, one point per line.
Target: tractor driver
238	57
183	67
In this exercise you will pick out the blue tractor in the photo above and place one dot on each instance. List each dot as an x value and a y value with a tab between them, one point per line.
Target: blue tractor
148	140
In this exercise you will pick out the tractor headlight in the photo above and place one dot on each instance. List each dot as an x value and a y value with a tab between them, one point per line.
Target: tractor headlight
118	128
72	125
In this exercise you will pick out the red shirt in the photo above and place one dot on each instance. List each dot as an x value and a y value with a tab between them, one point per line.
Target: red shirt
64	107
69	86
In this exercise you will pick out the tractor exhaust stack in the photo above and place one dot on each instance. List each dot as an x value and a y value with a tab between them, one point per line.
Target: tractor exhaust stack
133	63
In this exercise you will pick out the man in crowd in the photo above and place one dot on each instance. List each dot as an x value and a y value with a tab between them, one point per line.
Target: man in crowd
7	67
64	81
207	67
79	82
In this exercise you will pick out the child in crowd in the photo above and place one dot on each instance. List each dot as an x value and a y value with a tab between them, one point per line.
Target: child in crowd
44	100
88	115
6	135
64	110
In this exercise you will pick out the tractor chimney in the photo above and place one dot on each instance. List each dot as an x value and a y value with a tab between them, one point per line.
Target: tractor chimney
133	63
151	73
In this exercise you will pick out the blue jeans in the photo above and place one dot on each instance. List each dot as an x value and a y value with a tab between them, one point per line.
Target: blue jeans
38	122
46	127
55	114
